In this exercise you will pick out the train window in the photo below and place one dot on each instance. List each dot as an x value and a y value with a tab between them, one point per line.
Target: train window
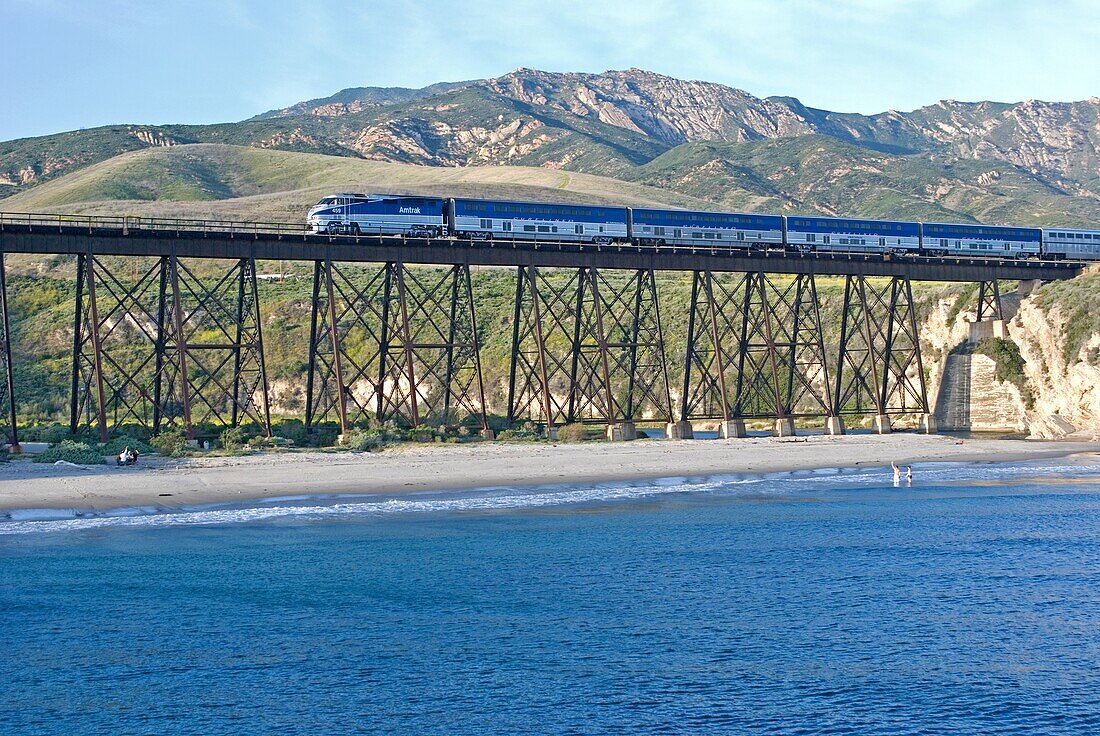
825	239
882	242
578	229
677	233
958	244
506	226
740	236
528	228
811	238
554	228
658	231
544	228
487	224
718	236
697	236
943	242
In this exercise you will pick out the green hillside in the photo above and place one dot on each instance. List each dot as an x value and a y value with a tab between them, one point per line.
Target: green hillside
215	180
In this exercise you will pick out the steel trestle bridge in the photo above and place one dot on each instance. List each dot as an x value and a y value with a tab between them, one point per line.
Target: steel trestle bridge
172	345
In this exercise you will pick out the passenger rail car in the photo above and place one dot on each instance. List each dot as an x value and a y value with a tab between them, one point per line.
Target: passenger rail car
1061	243
484	220
683	227
846	234
480	219
942	239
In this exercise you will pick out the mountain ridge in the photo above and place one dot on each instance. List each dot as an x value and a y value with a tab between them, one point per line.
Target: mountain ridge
1023	162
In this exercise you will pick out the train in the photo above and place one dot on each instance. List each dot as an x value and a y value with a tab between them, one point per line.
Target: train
481	219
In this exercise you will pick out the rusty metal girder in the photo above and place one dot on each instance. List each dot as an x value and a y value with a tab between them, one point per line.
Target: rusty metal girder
879	369
587	346
392	343
754	349
155	345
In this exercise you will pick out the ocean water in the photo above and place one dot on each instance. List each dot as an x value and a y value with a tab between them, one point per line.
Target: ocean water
803	603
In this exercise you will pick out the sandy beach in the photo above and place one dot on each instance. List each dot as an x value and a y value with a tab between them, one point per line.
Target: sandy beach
190	481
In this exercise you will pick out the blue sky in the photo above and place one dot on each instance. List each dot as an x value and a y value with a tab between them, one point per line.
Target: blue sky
69	64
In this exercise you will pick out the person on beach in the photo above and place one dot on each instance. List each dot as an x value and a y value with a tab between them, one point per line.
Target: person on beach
126	457
897	473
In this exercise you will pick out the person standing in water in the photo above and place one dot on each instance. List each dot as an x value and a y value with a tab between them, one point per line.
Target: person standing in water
909	475
897	473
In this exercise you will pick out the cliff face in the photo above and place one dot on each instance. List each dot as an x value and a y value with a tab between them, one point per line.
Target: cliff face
1061	366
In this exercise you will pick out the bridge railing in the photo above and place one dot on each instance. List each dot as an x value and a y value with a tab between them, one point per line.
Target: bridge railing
129	222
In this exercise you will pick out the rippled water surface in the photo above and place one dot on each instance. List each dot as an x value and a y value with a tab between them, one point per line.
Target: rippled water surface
809	603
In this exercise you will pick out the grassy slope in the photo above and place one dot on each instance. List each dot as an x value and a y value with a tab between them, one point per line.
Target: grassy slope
209	179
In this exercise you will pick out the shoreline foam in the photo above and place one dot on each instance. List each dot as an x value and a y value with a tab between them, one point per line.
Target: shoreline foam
164	486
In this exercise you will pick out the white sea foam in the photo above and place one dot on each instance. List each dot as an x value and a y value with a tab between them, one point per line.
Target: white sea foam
928	476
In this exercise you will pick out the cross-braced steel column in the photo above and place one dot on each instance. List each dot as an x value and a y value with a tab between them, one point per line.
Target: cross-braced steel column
393	343
879	370
152	340
587	346
755	350
989	301
10	432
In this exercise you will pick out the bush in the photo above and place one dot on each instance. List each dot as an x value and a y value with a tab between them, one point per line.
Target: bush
1009	365
170	442
526	432
51	433
232	439
71	452
573	433
375	438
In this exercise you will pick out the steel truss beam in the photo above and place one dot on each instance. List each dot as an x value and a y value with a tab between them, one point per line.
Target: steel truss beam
155	345
879	368
754	348
8	422
393	343
989	301
587	346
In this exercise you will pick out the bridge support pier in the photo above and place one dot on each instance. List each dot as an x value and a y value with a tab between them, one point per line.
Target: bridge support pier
156	344
834	425
880	424
784	427
681	430
731	429
622	432
393	343
10	425
928	424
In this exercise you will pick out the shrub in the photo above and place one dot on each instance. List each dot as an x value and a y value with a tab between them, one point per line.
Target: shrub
72	452
526	432
1009	365
51	433
232	439
573	433
375	438
170	442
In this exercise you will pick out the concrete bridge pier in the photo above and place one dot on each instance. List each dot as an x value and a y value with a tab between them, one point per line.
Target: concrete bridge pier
732	429
834	425
681	430
784	427
928	424
622	431
880	424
